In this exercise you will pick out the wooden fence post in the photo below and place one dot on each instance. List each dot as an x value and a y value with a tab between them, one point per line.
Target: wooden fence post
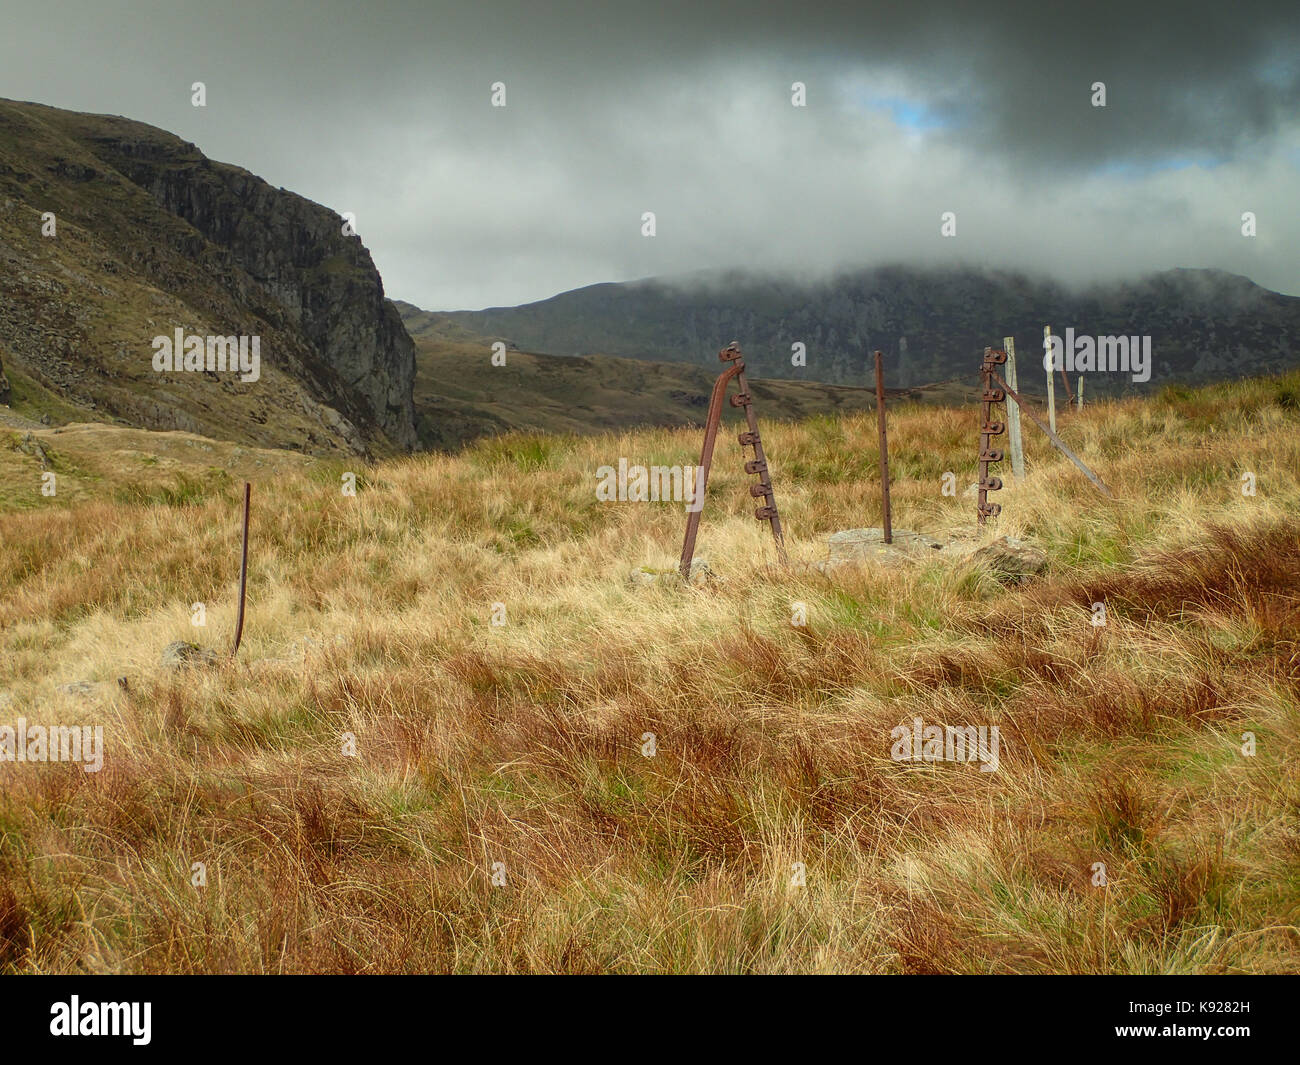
1013	414
1051	381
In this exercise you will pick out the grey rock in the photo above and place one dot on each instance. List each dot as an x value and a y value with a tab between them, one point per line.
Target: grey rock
182	655
1012	561
244	257
29	445
80	687
701	573
868	545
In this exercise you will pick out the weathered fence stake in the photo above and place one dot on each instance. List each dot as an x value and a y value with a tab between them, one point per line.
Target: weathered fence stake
1051	381
1081	391
1014	443
243	574
884	449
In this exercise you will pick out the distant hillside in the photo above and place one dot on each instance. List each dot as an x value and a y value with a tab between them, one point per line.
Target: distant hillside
151	236
460	395
931	324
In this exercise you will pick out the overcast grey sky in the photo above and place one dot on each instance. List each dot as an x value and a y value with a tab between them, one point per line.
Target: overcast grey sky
684	109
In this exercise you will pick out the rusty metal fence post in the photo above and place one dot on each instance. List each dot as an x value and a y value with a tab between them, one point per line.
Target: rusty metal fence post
989	429
750	438
884	450
243	573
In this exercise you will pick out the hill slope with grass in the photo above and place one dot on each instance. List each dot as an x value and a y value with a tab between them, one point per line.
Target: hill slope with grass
460	394
116	232
522	750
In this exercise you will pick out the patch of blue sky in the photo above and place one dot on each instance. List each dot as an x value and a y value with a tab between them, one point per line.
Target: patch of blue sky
1142	168
910	114
906	111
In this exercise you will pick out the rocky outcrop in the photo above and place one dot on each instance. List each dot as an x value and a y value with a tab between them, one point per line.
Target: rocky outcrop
153	237
4	385
297	251
180	654
1012	561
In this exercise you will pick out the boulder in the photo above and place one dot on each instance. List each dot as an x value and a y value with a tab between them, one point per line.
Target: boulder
79	687
1012	561
868	545
700	574
29	445
182	655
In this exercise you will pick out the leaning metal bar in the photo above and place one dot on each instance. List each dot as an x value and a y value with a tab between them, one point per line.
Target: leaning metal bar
767	511
706	460
1069	398
1057	442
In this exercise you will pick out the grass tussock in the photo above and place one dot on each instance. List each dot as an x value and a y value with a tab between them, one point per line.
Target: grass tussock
667	779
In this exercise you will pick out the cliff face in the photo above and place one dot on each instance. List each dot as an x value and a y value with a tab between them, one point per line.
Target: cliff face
230	254
296	250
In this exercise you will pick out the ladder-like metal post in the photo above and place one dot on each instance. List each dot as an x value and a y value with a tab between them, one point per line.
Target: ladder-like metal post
766	511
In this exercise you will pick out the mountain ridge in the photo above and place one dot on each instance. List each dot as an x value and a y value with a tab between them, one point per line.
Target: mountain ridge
931	323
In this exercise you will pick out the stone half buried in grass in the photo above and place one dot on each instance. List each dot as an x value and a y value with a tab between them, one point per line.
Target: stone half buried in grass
858	546
700	574
1012	561
182	655
79	687
1009	560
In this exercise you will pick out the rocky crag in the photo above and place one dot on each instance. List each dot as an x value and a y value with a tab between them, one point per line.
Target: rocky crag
115	232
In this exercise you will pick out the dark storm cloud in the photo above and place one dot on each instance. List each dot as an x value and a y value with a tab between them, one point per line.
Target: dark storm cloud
613	110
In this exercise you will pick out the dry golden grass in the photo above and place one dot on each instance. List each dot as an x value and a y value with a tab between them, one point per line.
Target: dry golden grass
521	744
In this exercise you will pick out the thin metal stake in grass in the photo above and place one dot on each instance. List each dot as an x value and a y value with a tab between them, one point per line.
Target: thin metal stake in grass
884	449
243	573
